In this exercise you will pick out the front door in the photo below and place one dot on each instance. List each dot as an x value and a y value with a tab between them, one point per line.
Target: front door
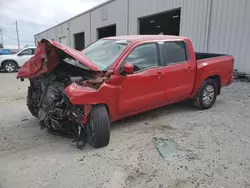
145	88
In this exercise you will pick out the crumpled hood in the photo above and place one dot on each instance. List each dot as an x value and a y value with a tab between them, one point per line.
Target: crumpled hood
48	55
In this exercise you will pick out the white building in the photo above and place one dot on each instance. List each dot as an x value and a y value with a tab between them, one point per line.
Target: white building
216	26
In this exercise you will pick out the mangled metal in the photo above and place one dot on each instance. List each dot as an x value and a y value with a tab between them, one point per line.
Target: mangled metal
50	72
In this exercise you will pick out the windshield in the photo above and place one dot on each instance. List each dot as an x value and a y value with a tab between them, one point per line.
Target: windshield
103	52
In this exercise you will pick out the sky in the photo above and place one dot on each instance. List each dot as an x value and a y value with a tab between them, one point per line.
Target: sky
34	16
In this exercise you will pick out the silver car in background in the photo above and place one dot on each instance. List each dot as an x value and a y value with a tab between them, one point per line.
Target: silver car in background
10	63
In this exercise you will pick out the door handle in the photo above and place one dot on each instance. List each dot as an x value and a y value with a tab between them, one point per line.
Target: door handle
189	68
160	75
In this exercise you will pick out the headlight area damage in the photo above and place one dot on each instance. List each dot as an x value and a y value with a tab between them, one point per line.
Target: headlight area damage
59	76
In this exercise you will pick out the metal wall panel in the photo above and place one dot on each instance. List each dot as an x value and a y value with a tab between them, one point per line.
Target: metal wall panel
78	25
194	15
229	31
216	26
52	34
40	36
62	30
114	12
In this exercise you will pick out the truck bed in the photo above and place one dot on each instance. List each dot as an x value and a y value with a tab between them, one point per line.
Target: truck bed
200	56
218	65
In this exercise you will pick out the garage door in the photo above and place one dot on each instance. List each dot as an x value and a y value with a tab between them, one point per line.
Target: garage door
167	23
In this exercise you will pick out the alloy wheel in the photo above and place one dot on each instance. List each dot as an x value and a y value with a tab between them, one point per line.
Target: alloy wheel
10	67
208	94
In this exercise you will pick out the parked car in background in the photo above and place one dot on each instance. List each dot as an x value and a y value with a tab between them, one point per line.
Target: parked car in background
117	77
5	51
12	62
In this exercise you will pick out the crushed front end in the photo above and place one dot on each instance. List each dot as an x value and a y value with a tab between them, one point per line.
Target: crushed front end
48	102
54	68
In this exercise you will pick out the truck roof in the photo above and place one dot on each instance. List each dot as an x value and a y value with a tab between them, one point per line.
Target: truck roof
146	37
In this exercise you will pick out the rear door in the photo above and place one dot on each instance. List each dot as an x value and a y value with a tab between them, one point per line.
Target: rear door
145	88
179	70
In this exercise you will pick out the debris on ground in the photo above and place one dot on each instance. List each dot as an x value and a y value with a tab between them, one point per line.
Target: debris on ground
210	149
166	147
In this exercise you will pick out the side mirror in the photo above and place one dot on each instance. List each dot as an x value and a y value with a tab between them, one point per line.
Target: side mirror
20	54
128	68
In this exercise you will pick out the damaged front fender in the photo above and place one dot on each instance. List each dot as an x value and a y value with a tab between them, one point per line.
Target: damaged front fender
78	94
106	94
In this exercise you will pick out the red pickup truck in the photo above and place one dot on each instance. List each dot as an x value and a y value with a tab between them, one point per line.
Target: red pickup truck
116	77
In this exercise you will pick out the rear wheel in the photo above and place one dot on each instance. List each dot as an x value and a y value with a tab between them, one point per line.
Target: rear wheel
206	95
10	66
98	127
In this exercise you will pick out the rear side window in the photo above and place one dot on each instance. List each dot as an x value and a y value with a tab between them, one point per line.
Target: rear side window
175	52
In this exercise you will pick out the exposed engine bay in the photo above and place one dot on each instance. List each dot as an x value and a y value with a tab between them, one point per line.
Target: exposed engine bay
49	103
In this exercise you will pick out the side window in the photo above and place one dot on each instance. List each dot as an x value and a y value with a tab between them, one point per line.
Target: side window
26	52
175	52
143	57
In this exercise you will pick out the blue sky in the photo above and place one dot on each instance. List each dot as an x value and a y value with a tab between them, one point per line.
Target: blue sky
34	16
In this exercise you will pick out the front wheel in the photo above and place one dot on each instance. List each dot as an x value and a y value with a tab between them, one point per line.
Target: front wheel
98	127
10	66
206	95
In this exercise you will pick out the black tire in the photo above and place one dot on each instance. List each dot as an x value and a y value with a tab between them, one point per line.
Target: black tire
10	66
98	127
33	108
200	99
